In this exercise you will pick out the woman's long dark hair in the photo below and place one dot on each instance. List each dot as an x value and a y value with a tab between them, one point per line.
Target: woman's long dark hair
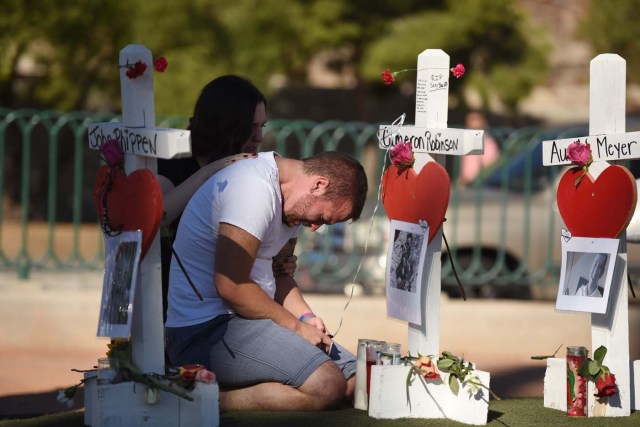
223	117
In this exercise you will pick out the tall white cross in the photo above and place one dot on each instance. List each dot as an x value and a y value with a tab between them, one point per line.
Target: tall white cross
142	143
389	389
608	143
431	135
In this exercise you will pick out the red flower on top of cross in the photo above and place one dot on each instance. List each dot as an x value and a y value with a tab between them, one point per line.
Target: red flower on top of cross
388	76
138	68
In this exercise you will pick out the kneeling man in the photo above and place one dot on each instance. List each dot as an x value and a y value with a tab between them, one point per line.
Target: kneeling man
253	329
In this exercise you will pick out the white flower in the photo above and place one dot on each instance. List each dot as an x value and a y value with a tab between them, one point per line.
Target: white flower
150	395
472	384
66	396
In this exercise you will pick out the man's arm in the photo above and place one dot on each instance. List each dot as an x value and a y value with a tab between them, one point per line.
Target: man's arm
235	255
288	293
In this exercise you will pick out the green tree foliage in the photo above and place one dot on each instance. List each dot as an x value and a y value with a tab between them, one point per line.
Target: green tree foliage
75	43
504	55
67	46
612	28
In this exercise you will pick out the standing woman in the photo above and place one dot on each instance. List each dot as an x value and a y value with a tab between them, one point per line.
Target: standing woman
226	126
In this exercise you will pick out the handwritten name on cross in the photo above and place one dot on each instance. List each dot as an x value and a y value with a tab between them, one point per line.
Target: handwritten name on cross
142	143
611	147
608	142
430	135
458	142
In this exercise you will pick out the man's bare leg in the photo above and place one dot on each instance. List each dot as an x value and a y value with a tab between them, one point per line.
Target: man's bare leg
324	389
351	386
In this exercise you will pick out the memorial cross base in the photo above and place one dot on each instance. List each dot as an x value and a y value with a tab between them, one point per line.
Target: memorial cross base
127	404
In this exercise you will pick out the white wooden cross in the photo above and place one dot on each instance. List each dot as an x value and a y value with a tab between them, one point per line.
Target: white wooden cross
608	143
389	389
431	135
142	143
127	403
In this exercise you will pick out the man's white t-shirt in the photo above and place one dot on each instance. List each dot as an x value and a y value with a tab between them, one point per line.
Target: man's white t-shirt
247	195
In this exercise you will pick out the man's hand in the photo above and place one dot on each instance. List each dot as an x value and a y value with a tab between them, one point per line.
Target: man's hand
317	322
315	336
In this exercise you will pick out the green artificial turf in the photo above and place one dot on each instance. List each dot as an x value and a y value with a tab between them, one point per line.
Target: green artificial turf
507	412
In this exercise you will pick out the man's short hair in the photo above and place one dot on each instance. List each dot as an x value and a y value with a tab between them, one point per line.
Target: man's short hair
347	179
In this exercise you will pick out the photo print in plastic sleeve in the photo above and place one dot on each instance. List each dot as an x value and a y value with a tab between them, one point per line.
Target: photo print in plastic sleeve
122	257
405	263
588	266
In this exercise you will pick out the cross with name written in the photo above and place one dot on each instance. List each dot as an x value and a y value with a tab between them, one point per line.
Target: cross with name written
142	143
431	140
608	142
127	402
429	136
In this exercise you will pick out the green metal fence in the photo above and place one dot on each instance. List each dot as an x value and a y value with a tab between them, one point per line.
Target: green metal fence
502	229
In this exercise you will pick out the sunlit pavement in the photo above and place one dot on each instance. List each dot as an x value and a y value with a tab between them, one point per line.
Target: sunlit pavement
48	327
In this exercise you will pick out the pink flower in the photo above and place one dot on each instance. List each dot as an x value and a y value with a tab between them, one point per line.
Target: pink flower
606	385
427	368
388	77
402	155
579	153
136	70
112	153
160	64
205	376
458	71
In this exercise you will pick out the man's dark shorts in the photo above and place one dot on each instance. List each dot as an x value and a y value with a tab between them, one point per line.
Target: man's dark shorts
244	352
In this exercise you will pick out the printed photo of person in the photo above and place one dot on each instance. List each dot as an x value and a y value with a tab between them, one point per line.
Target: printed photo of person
587	274
405	260
120	284
590	287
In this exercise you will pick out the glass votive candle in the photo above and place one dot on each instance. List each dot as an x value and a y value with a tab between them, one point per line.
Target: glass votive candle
107	370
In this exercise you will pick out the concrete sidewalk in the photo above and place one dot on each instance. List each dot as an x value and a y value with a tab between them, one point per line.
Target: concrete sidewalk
48	327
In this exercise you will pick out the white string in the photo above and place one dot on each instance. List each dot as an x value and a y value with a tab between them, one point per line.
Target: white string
397	123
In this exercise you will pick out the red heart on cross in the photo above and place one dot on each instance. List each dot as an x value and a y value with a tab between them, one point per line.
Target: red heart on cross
133	202
600	208
410	197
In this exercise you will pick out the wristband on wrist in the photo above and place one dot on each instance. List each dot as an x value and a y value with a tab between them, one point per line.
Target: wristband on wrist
306	316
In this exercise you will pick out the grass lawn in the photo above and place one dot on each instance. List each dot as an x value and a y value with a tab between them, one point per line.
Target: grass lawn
507	412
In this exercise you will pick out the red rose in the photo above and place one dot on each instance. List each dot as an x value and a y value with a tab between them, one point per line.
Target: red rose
388	77
188	372
160	64
458	71
401	154
427	368
579	153
136	70
606	385
112	152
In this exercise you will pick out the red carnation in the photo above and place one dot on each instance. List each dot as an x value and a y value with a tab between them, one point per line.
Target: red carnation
160	64
136	70
458	71
388	77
